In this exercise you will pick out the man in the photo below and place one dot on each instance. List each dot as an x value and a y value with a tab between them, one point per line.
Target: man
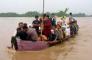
72	25
23	34
52	36
13	39
53	20
36	24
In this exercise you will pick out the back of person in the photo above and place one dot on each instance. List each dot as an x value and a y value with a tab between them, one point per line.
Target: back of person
32	34
59	32
53	21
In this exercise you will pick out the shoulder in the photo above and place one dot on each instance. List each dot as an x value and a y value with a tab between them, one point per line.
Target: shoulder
33	20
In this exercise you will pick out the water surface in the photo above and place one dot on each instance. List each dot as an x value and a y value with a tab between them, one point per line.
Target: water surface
78	48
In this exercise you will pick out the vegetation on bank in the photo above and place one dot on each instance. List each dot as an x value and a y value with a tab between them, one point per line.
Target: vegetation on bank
33	13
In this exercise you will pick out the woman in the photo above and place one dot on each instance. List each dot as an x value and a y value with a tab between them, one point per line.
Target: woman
47	26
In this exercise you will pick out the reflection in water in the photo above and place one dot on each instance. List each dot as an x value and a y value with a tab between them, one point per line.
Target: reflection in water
77	48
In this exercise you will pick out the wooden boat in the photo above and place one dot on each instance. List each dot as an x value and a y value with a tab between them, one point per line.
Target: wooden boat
34	45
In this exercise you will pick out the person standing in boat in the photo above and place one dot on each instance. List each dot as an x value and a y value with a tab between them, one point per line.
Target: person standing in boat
71	20
73	25
36	24
53	20
47	25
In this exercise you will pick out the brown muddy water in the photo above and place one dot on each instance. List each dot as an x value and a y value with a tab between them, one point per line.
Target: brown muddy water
77	48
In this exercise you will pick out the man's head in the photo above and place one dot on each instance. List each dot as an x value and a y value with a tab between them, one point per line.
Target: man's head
53	15
44	15
47	16
25	24
70	13
25	29
36	17
20	24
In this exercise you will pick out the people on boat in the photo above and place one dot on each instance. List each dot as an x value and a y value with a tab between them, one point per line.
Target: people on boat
52	32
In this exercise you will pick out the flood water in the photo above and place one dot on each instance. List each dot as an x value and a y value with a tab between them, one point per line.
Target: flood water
77	48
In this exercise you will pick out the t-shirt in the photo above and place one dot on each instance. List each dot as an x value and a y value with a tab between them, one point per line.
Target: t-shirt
22	35
53	21
71	19
36	22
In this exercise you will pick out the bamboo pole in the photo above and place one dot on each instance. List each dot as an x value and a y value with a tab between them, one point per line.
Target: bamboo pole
42	26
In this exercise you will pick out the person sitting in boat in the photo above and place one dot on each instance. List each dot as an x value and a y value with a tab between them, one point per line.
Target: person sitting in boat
55	36
22	35
25	25
36	24
20	27
63	26
13	39
32	34
59	32
46	25
52	36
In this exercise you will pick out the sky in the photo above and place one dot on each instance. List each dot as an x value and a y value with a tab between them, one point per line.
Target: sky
22	6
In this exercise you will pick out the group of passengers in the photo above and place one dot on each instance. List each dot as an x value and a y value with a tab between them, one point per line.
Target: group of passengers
45	29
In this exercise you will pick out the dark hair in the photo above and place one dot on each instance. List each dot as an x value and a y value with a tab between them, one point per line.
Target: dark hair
20	23
25	27
70	13
47	16
25	24
44	15
36	16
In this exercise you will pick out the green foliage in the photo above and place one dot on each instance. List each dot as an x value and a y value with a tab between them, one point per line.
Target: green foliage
33	13
10	14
